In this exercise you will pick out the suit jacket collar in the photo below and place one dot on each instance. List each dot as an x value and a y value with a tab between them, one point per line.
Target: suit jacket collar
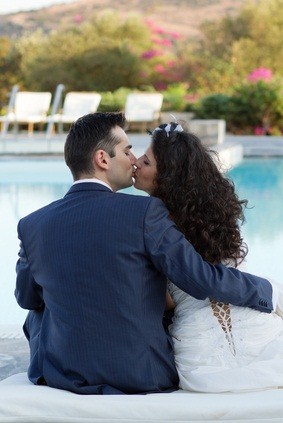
87	186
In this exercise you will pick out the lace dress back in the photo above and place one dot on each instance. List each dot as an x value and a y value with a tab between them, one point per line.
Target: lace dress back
223	314
220	347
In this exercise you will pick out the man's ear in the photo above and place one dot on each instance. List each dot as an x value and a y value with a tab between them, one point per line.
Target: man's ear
101	159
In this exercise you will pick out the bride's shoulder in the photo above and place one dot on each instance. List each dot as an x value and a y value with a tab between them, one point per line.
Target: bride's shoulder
182	298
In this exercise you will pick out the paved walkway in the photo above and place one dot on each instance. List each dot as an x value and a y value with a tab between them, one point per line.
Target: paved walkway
258	145
14	356
14	350
39	145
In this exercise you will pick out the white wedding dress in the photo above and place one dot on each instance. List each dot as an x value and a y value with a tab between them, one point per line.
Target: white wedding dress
222	347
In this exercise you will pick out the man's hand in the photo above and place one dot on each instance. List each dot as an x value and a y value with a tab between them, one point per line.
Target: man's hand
279	305
277	297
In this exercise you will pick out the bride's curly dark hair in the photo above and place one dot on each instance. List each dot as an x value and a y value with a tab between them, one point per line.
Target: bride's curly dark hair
202	202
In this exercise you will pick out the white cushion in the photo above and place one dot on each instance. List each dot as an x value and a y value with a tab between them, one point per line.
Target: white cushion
21	401
143	107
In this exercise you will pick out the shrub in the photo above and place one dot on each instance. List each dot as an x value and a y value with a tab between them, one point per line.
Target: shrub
253	108
114	101
214	106
256	105
175	97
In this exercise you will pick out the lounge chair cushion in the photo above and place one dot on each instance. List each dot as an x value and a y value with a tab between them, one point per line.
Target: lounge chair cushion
21	401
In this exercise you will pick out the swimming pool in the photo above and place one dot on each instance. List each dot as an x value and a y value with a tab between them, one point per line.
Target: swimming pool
260	181
26	185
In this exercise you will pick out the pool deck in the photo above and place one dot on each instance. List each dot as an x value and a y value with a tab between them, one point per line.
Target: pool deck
257	145
14	356
14	352
38	144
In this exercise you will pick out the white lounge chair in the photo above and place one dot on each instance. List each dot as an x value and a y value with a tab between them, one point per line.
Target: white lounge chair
56	105
143	108
6	119
76	104
29	108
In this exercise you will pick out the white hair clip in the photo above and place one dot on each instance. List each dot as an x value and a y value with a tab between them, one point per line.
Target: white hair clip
168	128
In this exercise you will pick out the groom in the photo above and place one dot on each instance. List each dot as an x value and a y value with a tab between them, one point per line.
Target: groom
93	266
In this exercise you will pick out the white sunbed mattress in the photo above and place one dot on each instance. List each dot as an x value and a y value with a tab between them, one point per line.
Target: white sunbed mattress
23	402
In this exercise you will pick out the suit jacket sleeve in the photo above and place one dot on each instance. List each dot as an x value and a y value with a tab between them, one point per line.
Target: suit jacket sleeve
28	293
174	256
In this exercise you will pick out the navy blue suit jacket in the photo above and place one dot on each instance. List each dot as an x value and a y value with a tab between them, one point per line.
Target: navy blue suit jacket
93	266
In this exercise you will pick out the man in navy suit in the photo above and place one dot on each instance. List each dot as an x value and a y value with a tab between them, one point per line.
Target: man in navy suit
93	266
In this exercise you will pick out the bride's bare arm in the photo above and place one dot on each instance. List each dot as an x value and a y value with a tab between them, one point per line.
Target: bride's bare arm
169	302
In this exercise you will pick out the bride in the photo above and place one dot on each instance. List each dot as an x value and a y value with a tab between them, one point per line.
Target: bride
218	347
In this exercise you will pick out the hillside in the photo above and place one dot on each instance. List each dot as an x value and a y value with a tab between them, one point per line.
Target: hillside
183	16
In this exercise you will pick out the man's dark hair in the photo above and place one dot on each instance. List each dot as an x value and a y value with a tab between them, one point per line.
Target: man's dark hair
88	134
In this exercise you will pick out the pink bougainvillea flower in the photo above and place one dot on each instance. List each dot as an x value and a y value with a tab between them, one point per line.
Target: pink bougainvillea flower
160	86
157	40
174	34
150	23
78	19
159	30
154	27
166	42
259	130
192	98
260	74
149	54
159	68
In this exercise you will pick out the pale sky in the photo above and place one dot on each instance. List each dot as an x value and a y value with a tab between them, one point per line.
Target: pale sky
11	6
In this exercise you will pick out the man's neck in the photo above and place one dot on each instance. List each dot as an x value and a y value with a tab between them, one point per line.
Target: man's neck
93	180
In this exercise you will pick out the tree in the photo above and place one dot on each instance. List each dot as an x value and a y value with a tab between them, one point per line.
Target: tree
263	46
9	68
232	47
102	54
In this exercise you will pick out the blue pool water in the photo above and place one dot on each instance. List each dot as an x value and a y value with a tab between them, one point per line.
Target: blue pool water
260	181
28	185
